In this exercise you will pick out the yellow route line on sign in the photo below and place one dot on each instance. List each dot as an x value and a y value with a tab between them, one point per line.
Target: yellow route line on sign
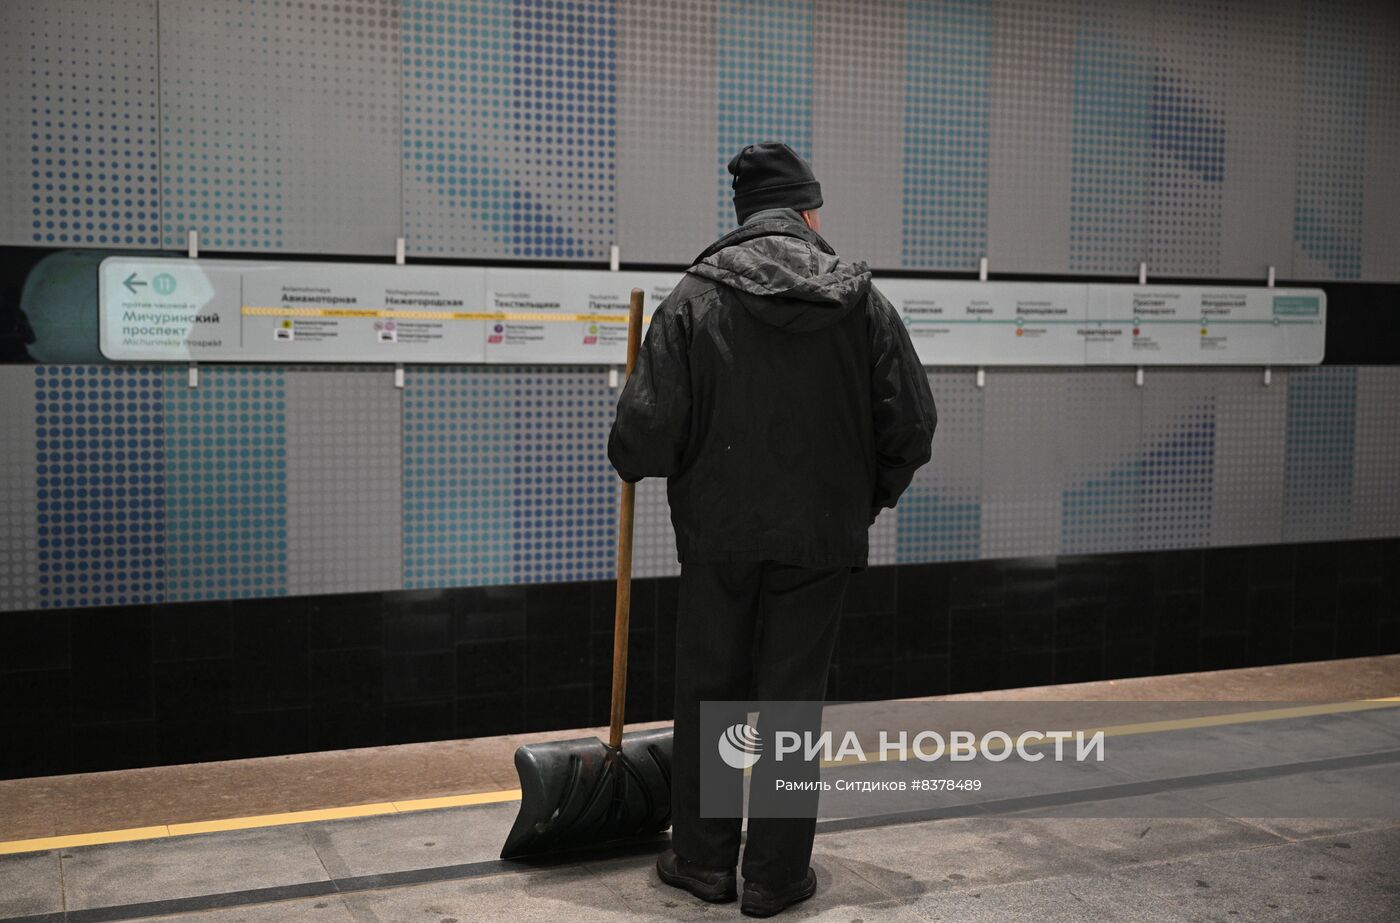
412	314
38	844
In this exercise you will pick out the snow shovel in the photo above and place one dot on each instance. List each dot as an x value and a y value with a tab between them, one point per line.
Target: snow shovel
586	792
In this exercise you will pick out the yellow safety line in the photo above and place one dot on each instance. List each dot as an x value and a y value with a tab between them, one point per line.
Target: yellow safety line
457	801
84	839
1176	724
38	844
277	820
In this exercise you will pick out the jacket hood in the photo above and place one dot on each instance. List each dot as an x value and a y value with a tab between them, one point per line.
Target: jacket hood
784	274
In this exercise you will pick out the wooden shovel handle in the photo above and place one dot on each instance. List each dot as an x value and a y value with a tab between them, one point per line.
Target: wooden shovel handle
626	505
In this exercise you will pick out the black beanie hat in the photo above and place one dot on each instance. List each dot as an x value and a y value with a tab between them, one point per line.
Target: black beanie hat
772	175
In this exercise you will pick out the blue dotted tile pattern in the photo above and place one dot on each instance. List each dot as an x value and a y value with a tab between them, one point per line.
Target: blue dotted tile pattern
1188	176
510	125
564	516
100	466
148	491
84	104
226	483
932	526
1331	138
1189	133
1178	484
1165	491
221	167
1319	453
1110	173
94	158
765	84
457	86
564	98
1100	513
459	476
947	89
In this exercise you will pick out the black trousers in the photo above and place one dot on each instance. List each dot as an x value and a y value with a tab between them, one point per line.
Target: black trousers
749	631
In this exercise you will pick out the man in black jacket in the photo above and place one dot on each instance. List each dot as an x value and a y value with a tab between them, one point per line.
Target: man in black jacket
778	392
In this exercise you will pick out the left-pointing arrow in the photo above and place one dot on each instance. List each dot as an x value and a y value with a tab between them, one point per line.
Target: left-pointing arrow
131	282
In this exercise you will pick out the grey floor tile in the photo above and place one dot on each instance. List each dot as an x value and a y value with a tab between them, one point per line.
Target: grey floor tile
850	880
621	890
1057	900
910	860
1374	851
1303	828
412	840
1289	881
843	891
1324	736
1154	828
1359	792
543	896
999	781
30	883
329	909
1262	743
1132	807
634	883
813	911
1387	718
152	870
1174	754
1142	863
1113	843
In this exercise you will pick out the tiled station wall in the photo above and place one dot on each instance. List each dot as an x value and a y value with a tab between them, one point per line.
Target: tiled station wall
295	558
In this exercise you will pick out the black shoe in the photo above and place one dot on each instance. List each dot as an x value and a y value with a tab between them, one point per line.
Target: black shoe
714	885
760	901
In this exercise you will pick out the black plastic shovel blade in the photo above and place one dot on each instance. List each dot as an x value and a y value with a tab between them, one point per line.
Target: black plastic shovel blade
583	792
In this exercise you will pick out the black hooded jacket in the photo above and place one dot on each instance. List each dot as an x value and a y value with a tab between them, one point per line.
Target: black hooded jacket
778	392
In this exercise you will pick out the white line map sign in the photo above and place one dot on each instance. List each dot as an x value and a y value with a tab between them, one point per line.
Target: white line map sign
565	315
1030	323
245	311
183	310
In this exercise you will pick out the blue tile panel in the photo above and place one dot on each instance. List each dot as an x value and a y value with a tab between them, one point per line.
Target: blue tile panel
225	485
510	115
564	100
765	85
459	432
1332	136
100	450
221	168
457	88
1186	133
1178	483
564	516
1165	487
1319	453
1188	176
1110	174
947	90
149	491
1101	512
94	155
935	526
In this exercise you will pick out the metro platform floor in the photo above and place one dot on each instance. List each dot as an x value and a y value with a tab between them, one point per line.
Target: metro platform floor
413	832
